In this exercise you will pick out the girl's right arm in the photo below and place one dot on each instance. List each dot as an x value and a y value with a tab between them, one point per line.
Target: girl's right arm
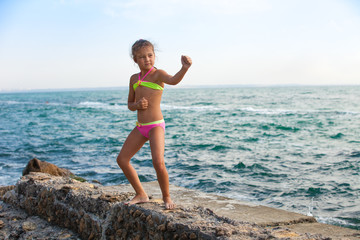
132	104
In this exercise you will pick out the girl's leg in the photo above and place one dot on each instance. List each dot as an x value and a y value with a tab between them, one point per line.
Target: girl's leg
132	145
157	145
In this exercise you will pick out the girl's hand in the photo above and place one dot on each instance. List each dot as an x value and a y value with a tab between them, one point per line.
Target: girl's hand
186	62
142	103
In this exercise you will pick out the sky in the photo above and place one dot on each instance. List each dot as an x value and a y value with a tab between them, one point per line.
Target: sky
61	44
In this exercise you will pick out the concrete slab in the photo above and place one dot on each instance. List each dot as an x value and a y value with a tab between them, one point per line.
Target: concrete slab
225	207
245	212
326	230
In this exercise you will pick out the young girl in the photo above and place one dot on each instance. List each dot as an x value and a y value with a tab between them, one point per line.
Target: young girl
145	93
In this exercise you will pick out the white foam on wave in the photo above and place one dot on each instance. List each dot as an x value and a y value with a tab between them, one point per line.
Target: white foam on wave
268	111
334	221
100	105
15	102
262	111
287	111
33	103
6	180
190	108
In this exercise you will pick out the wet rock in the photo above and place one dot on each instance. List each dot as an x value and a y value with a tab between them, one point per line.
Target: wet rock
36	165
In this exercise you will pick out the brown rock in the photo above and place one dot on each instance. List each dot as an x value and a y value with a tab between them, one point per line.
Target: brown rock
4	189
35	165
119	232
143	216
150	223
137	213
82	225
28	226
183	236
162	227
171	227
92	236
156	219
193	236
285	234
221	231
110	198
2	224
65	236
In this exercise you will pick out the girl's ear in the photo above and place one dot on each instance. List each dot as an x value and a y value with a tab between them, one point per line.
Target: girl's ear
134	58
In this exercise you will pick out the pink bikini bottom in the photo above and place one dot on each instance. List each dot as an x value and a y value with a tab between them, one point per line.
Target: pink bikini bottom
145	128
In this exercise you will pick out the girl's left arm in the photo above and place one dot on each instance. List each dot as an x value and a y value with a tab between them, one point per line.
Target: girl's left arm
173	80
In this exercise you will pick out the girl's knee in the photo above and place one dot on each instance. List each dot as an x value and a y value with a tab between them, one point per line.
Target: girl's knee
159	166
122	162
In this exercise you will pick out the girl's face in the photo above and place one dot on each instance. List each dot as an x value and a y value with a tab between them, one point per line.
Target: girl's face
145	58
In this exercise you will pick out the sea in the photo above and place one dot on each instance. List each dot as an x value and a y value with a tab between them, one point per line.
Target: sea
295	148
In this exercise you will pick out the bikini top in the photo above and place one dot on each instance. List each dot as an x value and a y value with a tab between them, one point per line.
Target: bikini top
147	84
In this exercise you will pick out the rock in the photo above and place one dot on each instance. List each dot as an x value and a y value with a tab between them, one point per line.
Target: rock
162	227
4	189
29	226
100	213
16	224
171	227
193	236
35	165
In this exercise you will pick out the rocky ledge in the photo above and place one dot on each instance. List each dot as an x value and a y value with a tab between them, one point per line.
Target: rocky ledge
43	206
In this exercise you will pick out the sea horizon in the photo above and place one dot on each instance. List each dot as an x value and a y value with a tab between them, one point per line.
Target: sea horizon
180	86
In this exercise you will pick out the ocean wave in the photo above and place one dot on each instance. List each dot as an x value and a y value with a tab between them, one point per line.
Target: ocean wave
190	108
17	103
101	105
265	111
337	136
33	103
262	111
9	102
350	223
268	111
355	154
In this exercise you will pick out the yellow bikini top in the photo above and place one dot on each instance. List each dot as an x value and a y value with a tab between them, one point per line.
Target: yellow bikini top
151	85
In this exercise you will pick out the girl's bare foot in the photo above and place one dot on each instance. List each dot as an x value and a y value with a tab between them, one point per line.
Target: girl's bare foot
138	199
169	204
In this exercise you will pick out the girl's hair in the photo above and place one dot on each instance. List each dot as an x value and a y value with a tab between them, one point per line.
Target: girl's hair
140	44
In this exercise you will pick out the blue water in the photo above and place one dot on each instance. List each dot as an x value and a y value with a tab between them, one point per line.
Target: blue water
294	148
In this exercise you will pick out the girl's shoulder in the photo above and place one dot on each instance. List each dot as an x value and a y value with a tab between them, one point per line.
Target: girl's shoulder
160	74
134	78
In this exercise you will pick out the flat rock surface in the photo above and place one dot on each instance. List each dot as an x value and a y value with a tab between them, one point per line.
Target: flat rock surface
214	215
247	212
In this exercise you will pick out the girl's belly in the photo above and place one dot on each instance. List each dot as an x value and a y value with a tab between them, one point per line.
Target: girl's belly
149	115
